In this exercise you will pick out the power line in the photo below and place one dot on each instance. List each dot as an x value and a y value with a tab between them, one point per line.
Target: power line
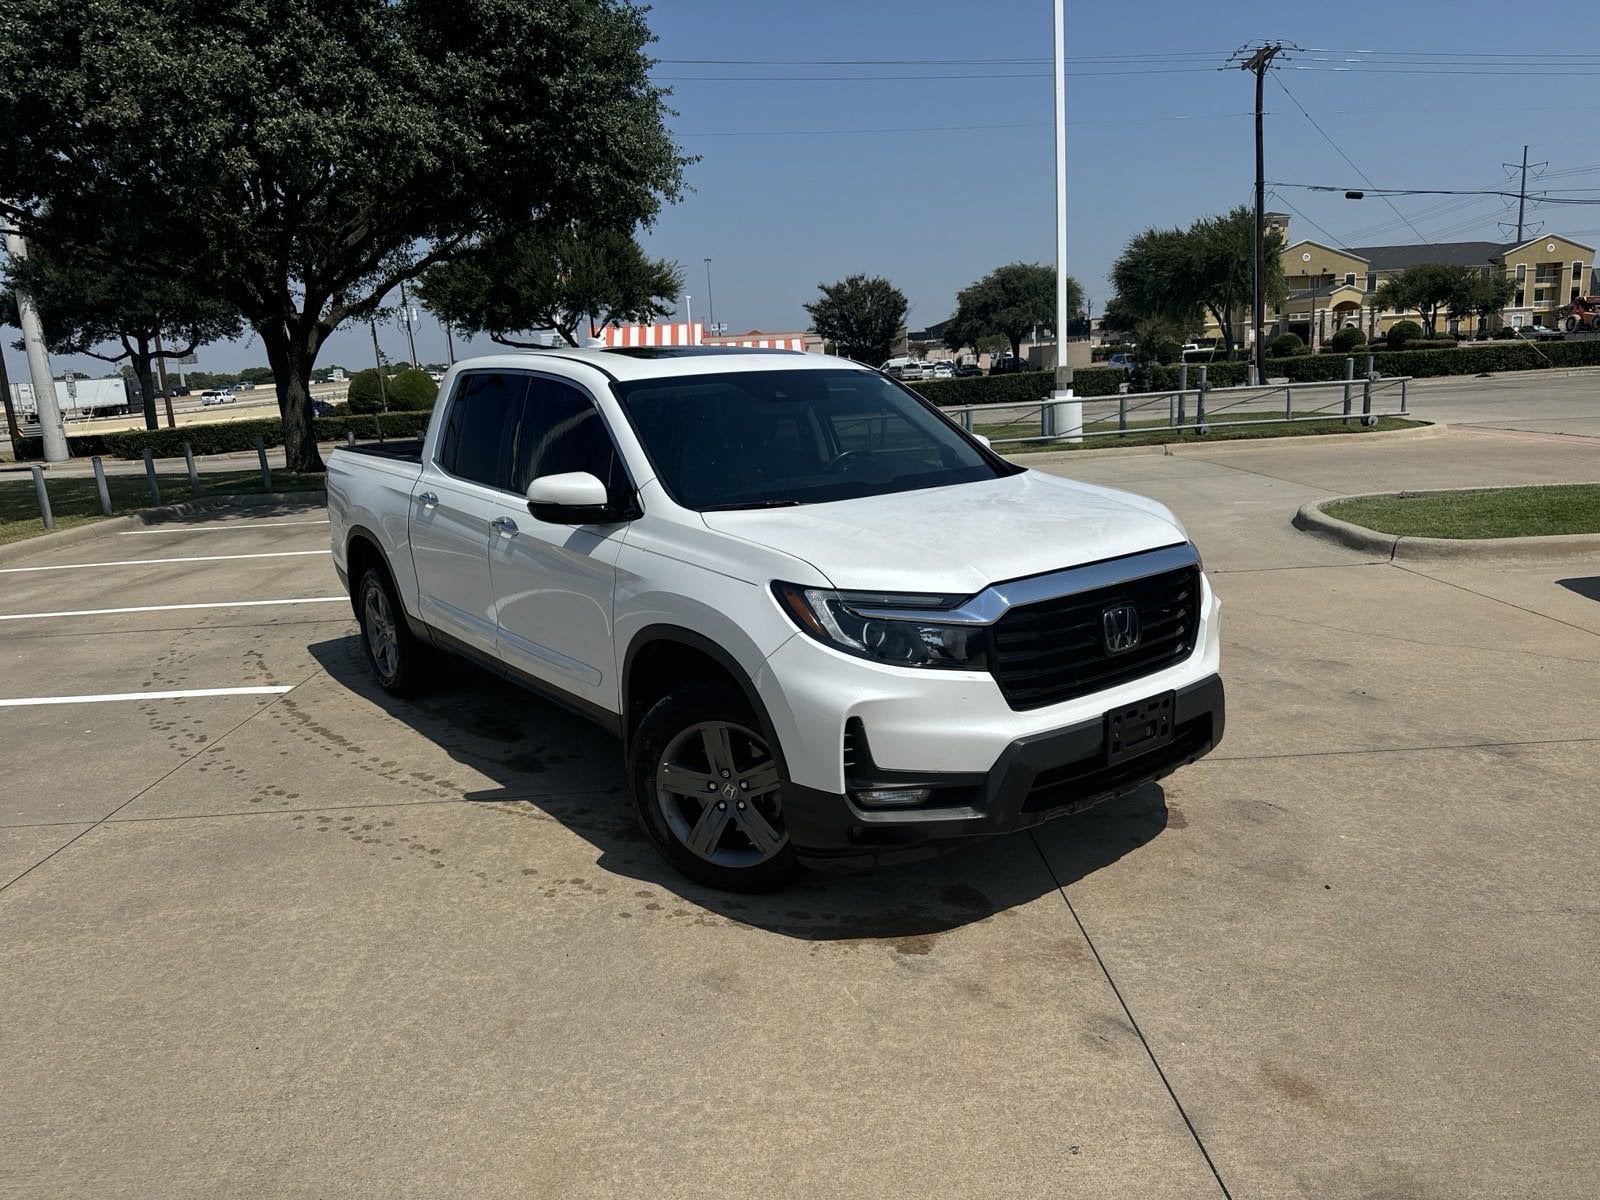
1345	156
1197	56
910	78
1279	198
948	128
1535	197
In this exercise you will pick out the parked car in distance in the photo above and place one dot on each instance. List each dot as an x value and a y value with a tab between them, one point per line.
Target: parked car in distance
216	396
816	643
965	370
942	370
321	408
1540	332
1196	350
1006	364
243	387
1120	362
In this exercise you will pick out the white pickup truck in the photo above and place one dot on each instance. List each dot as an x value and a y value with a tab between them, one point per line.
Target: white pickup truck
826	623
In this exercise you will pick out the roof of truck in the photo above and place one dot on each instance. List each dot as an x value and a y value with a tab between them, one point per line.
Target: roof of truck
664	361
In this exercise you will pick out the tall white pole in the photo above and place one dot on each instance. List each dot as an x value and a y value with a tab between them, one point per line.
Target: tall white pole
688	308
1066	413
44	384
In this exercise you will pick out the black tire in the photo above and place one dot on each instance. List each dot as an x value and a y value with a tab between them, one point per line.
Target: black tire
745	857
398	659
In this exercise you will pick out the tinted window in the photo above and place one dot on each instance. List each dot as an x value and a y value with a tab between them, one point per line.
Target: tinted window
560	432
477	437
772	437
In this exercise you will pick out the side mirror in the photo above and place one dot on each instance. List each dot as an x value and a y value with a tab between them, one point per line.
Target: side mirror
986	442
573	498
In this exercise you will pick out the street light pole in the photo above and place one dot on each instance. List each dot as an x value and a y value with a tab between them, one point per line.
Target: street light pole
1067	419
406	316
711	304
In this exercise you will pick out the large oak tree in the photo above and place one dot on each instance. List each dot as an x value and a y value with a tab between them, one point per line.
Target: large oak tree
300	158
1010	302
560	277
862	315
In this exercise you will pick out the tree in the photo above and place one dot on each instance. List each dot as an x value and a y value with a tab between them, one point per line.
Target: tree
550	277
365	143
1481	295
1011	302
92	304
1426	288
1178	275
863	314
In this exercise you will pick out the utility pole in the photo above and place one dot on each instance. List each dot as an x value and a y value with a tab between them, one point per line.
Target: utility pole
1258	62
710	303
449	344
1067	412
44	384
407	316
13	430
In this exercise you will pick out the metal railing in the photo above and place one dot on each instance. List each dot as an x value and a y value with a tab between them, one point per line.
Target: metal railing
1192	411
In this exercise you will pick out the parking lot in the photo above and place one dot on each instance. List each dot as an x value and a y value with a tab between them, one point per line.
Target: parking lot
269	932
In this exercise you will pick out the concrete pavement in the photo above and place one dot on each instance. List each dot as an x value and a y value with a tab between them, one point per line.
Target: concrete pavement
329	943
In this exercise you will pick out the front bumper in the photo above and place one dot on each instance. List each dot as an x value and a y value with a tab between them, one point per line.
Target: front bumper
1037	777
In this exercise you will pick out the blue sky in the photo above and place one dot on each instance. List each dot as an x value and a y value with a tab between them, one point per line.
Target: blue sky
790	192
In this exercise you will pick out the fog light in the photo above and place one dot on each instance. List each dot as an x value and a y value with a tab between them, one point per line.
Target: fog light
886	797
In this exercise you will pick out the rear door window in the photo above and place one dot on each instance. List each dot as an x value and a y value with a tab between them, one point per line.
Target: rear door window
479	430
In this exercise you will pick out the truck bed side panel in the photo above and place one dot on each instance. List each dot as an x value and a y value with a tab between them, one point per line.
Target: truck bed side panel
373	492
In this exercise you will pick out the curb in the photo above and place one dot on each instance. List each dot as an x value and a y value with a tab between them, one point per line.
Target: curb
153	516
1400	548
1426	429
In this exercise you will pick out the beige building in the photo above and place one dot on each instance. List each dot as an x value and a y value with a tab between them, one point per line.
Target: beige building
1332	287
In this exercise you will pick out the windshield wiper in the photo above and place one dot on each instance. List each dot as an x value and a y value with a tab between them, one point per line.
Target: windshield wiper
749	504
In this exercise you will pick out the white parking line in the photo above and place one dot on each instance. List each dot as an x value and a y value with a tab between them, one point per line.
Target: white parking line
231	527
109	697
141	608
148	562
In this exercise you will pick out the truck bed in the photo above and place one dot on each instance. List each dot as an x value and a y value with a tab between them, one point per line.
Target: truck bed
401	450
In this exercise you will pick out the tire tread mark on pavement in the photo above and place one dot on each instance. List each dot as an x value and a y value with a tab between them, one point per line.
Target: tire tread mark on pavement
157	782
1532	612
1132	1021
1578	741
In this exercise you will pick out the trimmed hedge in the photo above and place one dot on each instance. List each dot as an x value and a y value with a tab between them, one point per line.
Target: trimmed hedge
1286	345
230	436
412	391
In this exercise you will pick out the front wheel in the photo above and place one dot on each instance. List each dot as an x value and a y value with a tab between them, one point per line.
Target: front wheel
709	792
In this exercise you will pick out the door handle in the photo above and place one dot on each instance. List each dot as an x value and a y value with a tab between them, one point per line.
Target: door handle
429	499
504	525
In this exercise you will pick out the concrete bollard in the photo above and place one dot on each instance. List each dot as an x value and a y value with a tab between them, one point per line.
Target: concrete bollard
100	485
42	494
150	476
194	476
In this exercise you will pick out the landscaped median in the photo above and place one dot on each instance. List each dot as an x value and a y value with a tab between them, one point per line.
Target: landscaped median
75	502
1539	521
1232	427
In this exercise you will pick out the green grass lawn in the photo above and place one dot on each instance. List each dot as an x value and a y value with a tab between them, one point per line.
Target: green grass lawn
1140	432
1491	513
75	502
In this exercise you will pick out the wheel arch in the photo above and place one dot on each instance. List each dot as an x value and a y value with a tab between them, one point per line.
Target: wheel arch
653	654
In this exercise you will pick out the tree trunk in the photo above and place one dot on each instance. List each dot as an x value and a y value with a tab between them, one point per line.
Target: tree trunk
1016	344
13	430
292	353
142	357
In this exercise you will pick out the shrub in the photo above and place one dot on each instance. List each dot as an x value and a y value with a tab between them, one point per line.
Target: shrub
366	394
1346	340
1285	345
412	391
1403	332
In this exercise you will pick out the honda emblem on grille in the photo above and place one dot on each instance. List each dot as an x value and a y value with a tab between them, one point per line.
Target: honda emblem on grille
1120	625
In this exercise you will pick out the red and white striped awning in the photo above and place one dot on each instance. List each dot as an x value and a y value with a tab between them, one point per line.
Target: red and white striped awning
618	336
793	343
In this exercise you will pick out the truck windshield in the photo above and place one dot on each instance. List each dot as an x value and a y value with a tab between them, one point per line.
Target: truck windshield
761	439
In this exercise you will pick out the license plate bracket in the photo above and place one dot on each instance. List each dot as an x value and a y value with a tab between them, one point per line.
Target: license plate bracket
1136	729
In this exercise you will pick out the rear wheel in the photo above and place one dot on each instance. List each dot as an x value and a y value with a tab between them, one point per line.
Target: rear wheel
393	650
709	791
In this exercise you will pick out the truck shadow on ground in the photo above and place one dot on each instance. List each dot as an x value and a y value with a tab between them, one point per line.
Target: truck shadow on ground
1588	588
548	761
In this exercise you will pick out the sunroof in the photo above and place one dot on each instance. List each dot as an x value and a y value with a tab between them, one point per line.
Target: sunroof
691	351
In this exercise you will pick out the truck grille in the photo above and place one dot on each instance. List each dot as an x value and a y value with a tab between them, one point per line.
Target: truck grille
1055	650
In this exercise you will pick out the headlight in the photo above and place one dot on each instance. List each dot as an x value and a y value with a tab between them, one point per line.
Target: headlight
869	624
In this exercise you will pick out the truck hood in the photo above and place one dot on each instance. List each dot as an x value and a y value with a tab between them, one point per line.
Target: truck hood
959	539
